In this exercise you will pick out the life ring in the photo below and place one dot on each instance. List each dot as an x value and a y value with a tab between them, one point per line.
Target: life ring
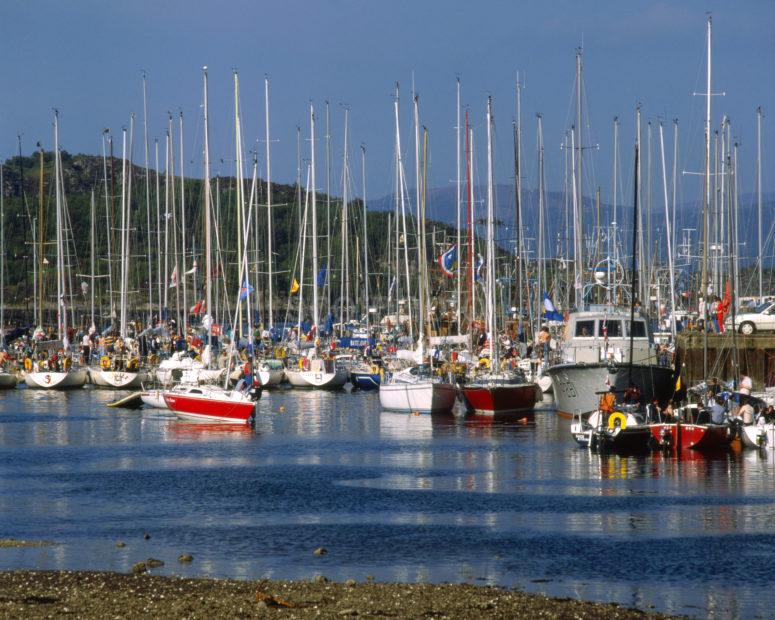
133	364
67	363
105	362
27	364
617	415
153	360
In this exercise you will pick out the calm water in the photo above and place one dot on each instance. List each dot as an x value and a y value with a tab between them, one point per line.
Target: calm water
395	496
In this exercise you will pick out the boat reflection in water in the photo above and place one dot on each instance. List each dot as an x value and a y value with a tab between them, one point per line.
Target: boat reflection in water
203	430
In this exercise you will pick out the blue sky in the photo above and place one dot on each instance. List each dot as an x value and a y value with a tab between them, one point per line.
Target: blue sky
85	58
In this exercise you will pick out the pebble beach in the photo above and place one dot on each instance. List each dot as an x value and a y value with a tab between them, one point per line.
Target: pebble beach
56	594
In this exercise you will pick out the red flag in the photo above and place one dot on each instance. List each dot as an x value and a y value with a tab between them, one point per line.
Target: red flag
724	306
726	303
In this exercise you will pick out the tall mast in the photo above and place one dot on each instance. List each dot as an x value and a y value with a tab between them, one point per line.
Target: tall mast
400	173
518	196
469	231
315	301
174	212
126	207
634	270
733	206
208	249
423	265
675	176
344	296
615	183
92	231
420	204
41	239
668	229
648	257
759	191
240	198
366	239
166	220
61	312
706	198
328	209
458	205
540	267
641	250
270	257
122	230
159	272
183	229
577	284
147	199
490	297
580	175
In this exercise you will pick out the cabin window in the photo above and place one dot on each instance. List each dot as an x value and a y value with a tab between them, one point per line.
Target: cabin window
613	329
195	391
585	329
638	330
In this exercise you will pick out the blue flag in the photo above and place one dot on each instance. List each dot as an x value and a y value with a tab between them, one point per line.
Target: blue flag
322	276
245	290
448	262
551	313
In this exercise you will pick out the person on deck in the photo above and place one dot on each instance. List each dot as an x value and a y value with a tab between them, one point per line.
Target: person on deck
745	413
544	340
717	410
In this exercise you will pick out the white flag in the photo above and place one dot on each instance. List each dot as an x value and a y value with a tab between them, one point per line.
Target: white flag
174	277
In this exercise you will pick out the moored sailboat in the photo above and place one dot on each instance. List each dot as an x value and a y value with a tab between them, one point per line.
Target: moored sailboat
57	372
496	391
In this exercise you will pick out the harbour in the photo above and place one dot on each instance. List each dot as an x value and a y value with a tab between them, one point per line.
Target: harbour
387	310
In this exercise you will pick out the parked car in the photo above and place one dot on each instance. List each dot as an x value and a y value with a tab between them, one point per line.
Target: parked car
760	319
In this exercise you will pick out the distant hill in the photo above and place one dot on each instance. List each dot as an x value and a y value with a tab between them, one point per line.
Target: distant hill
442	206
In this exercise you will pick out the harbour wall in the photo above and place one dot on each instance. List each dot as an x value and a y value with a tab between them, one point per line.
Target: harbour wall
755	357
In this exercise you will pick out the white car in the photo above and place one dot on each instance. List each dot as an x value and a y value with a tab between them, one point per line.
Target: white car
760	319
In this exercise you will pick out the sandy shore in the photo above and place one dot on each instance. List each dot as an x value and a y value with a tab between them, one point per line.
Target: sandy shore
33	594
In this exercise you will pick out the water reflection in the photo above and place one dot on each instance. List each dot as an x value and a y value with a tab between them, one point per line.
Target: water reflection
398	496
201	431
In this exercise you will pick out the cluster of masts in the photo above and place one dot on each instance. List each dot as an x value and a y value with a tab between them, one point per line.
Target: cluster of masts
572	275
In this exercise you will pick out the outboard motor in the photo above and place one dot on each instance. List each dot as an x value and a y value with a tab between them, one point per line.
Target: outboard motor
256	389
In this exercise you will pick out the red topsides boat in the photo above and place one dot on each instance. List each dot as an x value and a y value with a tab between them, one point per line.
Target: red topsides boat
210	404
501	393
691	431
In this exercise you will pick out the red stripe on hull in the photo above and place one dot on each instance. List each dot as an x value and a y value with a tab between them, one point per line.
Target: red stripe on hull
501	398
210	408
697	436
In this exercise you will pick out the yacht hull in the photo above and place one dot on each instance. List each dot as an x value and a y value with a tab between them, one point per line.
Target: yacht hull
426	397
491	400
577	387
56	380
119	379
